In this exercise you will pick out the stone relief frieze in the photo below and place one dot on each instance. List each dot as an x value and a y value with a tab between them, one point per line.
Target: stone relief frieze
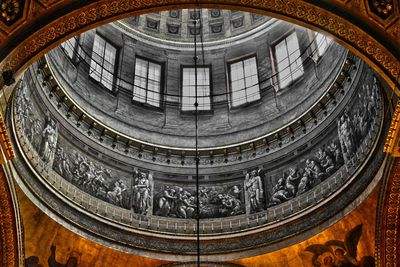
42	134
254	190
92	176
215	201
353	125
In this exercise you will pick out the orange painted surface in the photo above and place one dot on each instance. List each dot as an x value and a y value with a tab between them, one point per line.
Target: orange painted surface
41	232
297	256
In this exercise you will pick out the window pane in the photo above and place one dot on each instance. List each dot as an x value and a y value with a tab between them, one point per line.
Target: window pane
102	63
253	93
280	51
147	82
322	43
203	88
244	82
289	63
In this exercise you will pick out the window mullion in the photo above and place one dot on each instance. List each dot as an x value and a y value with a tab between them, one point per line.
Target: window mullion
147	81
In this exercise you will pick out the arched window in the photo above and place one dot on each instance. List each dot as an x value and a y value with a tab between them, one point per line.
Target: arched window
288	63
147	83
189	88
102	63
243	78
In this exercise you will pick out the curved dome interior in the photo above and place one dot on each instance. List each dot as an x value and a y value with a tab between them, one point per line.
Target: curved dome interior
289	129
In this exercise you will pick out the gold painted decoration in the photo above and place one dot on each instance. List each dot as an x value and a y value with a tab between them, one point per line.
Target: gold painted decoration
5	142
340	253
389	225
392	145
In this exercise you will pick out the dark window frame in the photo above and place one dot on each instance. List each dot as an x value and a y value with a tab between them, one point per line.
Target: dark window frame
162	83
113	90
200	111
236	60
275	77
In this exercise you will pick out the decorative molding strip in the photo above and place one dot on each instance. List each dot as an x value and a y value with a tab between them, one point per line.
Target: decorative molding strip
5	143
8	229
390	224
392	145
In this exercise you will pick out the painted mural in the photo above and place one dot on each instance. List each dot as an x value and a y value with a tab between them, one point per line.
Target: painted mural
353	125
93	177
340	253
215	201
252	191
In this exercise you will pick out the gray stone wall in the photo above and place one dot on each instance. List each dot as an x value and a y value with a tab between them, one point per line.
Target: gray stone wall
224	125
85	170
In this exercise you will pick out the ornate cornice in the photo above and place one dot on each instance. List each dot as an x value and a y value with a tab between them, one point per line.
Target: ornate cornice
8	229
392	145
5	142
390	224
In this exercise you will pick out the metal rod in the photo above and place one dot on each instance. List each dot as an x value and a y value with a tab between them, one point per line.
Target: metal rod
196	105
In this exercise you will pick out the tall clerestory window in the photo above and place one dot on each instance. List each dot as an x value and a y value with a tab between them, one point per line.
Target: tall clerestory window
189	88
244	82
102	64
321	42
147	83
288	63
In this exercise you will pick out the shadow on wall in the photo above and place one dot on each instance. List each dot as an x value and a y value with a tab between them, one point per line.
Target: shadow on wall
72	261
337	253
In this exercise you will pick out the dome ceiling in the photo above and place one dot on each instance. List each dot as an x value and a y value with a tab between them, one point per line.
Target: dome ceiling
178	25
289	134
266	103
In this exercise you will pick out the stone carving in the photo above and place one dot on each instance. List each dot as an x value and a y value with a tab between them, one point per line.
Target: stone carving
352	127
194	30
47	147
152	24
256	17
141	191
217	28
194	14
41	135
236	23
254	188
346	137
215	13
214	201
92	178
173	29
174	13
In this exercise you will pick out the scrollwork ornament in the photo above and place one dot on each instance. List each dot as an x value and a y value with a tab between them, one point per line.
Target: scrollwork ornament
391	222
312	16
81	19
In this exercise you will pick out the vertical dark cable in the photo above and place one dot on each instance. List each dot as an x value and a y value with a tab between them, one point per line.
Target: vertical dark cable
196	104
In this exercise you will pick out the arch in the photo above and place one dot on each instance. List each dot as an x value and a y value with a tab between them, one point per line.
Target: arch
353	29
350	23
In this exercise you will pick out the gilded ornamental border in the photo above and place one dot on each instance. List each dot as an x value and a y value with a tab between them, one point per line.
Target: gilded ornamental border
308	14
